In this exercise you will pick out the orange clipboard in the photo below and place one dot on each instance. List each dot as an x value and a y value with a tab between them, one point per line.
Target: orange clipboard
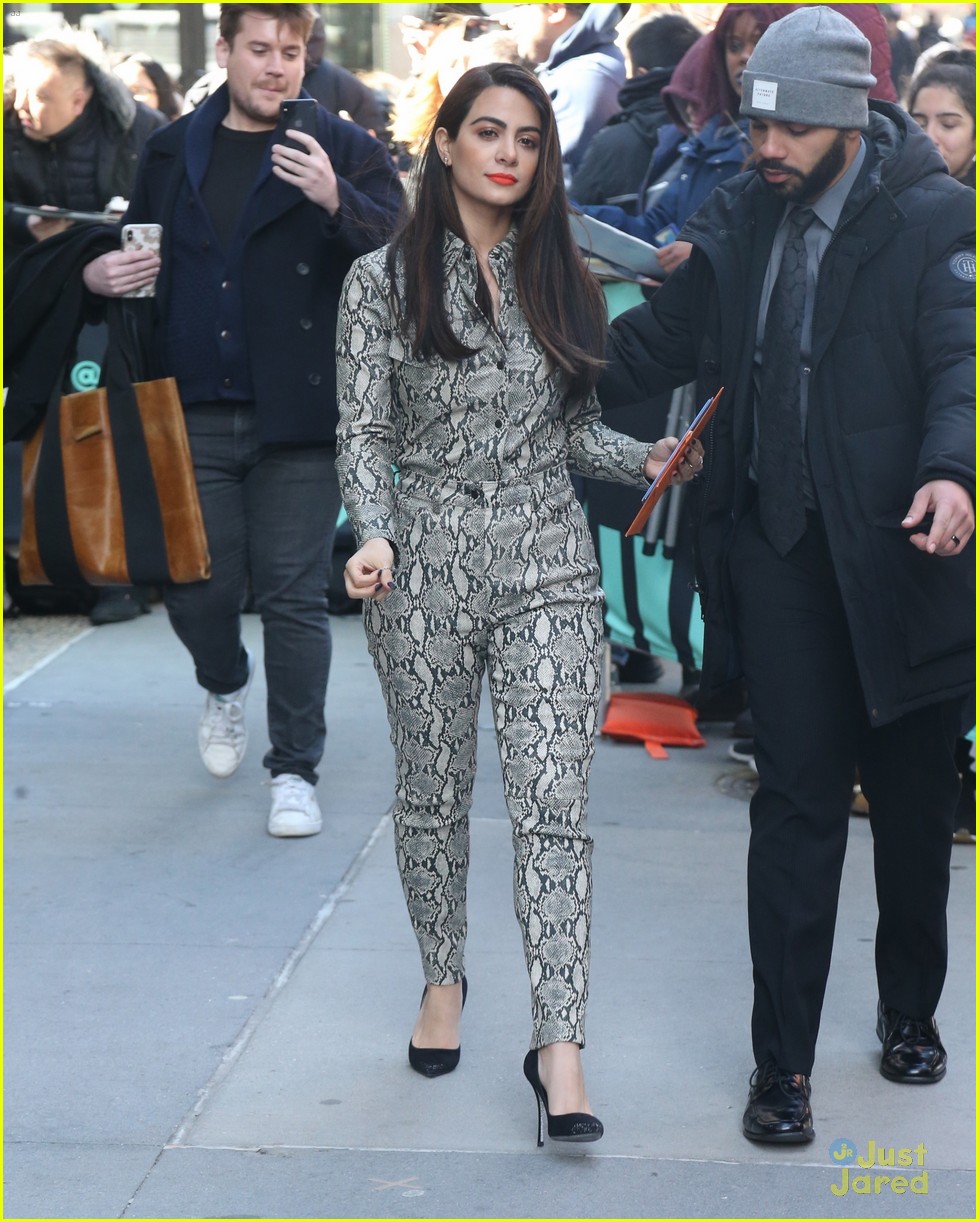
668	469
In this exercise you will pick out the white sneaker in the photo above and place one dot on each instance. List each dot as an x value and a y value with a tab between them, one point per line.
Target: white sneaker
295	811
221	735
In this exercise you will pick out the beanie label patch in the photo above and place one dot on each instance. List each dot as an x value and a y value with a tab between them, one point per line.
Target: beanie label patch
963	266
764	94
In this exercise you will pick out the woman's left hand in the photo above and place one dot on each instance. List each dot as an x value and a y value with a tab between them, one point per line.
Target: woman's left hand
369	573
691	464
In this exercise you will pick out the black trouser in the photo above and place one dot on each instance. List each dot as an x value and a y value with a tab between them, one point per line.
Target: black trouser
812	731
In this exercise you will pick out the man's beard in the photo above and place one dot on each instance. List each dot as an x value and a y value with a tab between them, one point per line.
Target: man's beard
245	105
805	188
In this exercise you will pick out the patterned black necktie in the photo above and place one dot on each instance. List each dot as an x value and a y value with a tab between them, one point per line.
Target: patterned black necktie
780	451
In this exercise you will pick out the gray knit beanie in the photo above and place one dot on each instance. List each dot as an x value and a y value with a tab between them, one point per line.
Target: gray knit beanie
811	67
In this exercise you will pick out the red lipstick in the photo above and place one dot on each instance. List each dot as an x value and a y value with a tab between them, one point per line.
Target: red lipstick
505	180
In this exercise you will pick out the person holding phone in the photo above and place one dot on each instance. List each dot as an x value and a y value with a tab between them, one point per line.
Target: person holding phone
258	235
142	237
468	353
72	136
299	116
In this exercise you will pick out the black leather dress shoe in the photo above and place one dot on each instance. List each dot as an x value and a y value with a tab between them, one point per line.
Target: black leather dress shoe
778	1107
913	1050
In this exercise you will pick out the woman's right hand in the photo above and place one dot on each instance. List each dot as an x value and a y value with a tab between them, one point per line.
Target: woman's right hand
369	572
121	271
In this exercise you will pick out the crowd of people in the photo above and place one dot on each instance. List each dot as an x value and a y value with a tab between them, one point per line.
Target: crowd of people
388	309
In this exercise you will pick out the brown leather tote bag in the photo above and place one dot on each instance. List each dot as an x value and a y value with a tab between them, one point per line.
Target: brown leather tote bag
109	491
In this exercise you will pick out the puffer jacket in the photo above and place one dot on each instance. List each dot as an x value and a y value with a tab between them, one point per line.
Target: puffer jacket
891	401
84	166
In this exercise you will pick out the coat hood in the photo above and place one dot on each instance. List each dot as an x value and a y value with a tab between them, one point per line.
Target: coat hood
595	31
906	153
641	103
682	95
117	104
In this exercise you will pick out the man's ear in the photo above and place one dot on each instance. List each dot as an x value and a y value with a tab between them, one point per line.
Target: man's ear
222	49
79	99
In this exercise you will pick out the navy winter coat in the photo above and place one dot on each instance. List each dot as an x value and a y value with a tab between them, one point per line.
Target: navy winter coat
296	257
717	153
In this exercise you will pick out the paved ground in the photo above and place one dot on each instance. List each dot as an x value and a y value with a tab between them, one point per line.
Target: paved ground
202	1021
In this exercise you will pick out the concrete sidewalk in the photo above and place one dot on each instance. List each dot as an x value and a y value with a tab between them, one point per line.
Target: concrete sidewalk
202	1021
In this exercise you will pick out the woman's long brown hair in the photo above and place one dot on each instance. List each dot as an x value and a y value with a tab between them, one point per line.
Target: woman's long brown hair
561	299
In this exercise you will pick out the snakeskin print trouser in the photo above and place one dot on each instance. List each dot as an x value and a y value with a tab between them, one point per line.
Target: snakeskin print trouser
501	579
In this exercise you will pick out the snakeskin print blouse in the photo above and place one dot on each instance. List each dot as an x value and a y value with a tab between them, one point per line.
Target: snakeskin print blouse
498	417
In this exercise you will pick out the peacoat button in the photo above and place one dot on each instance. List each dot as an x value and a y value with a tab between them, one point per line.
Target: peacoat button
302	269
315	379
226	284
226	383
305	323
225	334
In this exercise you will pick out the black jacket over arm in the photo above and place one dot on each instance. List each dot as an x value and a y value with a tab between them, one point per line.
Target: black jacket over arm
44	305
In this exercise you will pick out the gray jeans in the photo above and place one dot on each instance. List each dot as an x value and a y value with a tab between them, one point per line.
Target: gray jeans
270	513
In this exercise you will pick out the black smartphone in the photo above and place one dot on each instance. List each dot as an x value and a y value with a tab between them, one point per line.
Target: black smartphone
299	114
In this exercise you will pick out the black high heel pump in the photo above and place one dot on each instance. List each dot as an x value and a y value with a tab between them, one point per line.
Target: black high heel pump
568	1126
433	1062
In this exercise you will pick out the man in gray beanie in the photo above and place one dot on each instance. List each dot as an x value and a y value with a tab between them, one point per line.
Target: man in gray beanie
813	70
831	290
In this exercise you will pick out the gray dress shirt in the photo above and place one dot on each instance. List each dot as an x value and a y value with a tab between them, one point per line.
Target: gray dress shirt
826	210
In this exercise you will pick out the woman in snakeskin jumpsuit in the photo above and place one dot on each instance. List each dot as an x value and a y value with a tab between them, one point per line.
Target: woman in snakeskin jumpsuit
468	351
